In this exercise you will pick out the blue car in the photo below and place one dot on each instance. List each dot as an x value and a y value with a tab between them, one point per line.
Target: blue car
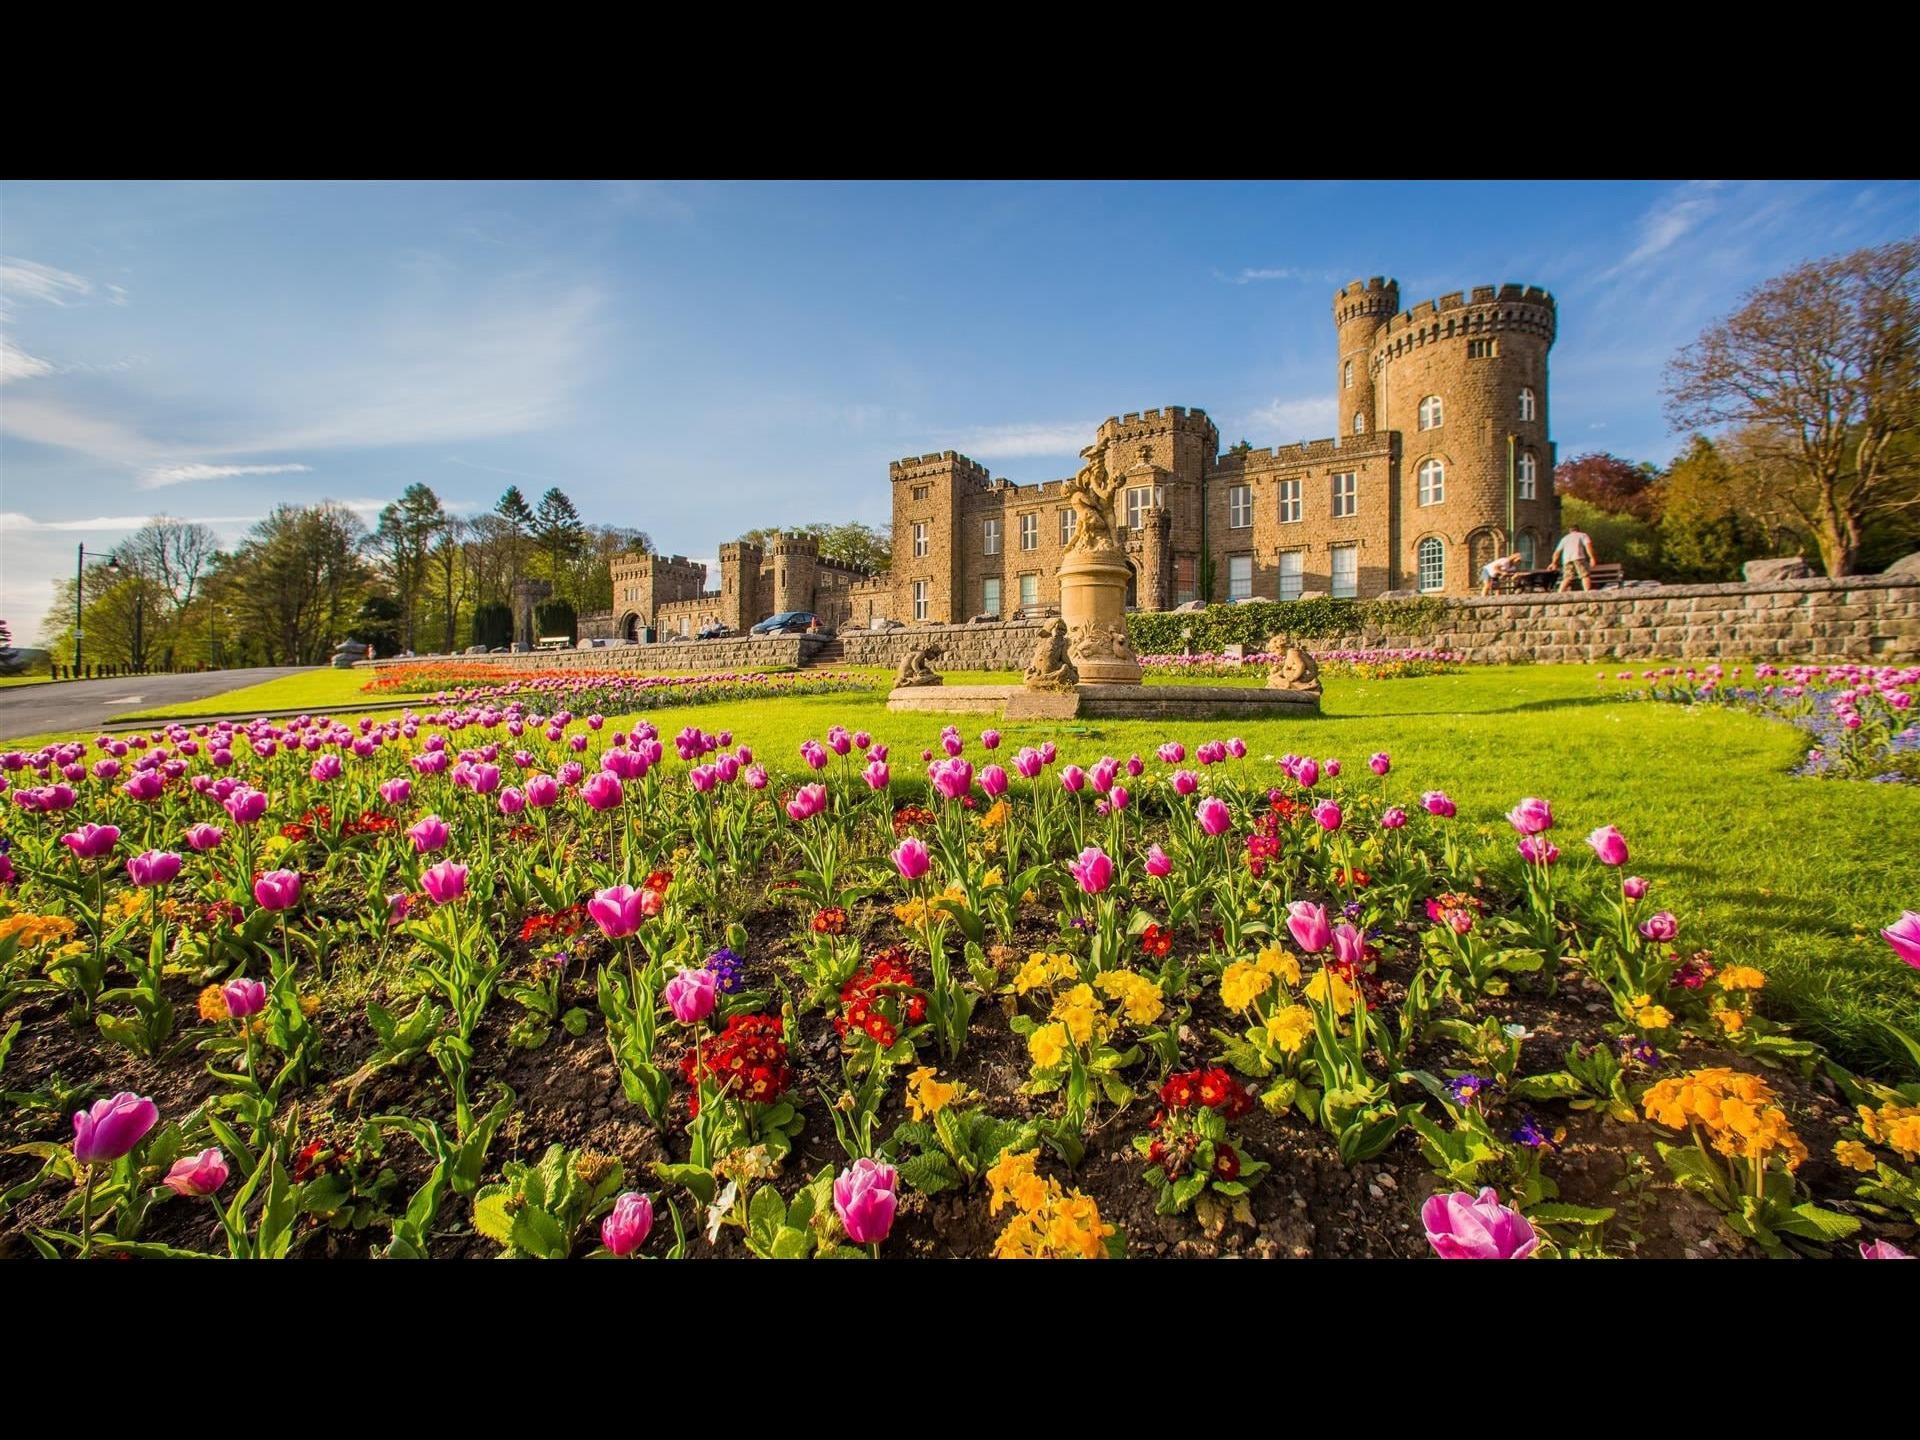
788	622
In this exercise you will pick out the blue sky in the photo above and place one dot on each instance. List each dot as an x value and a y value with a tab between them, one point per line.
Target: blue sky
697	359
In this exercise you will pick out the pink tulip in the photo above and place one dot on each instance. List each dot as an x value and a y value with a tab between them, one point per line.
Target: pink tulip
1074	779
1531	816
429	835
953	778
1435	802
1883	1250
877	775
1661	927
626	1229
153	867
112	1127
278	889
202	838
512	801
1027	761
807	802
1609	844
1327	816
1309	927
246	805
912	859
863	1196
244	998
756	777
1393	818
90	842
197	1175
616	910
1461	1226
1307	773
990	739
1380	762
690	995
704	779
147	785
399	906
602	792
1904	936
1119	797
1633	887
1159	865
1537	850
445	882
1185	782
325	769
1094	870
993	780
542	791
1213	815
1349	946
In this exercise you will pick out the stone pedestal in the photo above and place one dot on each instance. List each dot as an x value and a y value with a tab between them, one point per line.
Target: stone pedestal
526	595
1093	603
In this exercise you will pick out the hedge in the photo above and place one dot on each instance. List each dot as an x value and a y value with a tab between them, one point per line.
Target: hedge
1168	632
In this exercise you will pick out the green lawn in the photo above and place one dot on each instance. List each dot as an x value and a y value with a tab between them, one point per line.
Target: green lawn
1793	875
24	679
289	692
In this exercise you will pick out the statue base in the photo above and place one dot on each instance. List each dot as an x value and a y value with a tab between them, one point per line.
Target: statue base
1206	703
1093	605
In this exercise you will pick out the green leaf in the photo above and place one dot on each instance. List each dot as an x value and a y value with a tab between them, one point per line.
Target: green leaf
1556	1214
539	1234
929	1172
1556	1085
1810	1222
490	1216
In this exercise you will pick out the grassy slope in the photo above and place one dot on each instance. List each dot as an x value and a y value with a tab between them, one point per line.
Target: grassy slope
289	692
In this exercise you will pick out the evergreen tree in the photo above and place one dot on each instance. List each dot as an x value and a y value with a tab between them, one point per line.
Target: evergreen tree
518	516
558	532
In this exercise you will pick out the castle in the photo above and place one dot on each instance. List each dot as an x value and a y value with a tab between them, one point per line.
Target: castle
1440	463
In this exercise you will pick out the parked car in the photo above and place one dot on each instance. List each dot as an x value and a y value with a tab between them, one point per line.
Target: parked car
719	630
788	622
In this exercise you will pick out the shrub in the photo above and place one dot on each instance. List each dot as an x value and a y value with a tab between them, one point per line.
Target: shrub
1218	626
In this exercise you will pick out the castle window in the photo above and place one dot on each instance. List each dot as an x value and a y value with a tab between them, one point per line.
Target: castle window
920	540
1068	520
1430	413
1433	483
919	599
1029	591
1528	477
1290	502
1346	571
1346	376
1528	549
1359	423
1346	495
1293	573
920	492
1240	577
1139	500
1030	532
990	595
1482	349
1526	404
1433	564
1239	507
993	537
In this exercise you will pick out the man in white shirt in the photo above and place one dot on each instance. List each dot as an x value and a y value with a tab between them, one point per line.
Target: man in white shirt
1573	555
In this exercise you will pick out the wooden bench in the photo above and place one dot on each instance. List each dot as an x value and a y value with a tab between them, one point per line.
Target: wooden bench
1524	582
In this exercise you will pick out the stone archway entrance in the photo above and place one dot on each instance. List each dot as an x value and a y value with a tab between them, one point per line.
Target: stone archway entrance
631	629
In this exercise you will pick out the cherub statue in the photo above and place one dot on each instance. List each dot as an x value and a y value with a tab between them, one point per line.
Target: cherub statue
1297	669
917	668
1051	667
1092	492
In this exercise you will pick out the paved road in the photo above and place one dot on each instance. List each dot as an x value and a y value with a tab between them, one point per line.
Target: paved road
82	704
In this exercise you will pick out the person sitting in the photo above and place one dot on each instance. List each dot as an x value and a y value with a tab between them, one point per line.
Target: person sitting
1498	569
1574	554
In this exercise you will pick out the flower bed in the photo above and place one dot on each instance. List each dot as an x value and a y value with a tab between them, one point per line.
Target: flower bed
1863	717
1363	664
600	692
438	985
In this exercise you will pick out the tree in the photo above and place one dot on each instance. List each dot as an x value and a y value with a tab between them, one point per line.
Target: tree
1706	531
868	547
401	544
295	581
450	571
1609	483
517	516
588	580
558	532
1820	369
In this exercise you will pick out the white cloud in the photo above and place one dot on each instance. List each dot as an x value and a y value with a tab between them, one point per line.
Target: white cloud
30	280
1670	220
1253	275
179	474
1294	419
17	364
13	520
1012	442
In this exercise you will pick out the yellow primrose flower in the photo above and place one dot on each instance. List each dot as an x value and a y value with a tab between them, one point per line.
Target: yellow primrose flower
1289	1029
1043	971
1731	1021
1650	1015
1329	989
926	1095
994	878
997	816
1139	997
1079	1011
1048	1046
1854	1156
1741	977
1242	984
1276	961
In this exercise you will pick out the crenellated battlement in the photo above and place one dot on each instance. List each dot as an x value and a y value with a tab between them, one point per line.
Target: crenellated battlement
1524	309
1133	426
944	462
1374	299
1306	452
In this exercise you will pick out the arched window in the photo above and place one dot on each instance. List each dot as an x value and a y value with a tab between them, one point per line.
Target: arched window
1433	483
1526	404
1359	423
1430	413
1528	477
1346	375
1433	564
1528	549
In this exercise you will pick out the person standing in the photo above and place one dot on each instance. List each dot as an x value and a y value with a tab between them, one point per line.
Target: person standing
1574	555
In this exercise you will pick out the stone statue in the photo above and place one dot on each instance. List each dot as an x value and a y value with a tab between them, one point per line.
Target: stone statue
917	668
1094	641
1051	668
1297	670
1091	493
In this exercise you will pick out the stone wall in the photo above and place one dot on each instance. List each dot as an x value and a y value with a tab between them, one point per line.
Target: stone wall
968	647
1864	618
744	652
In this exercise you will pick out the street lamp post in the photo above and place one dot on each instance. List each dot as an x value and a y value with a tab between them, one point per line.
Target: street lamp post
79	599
